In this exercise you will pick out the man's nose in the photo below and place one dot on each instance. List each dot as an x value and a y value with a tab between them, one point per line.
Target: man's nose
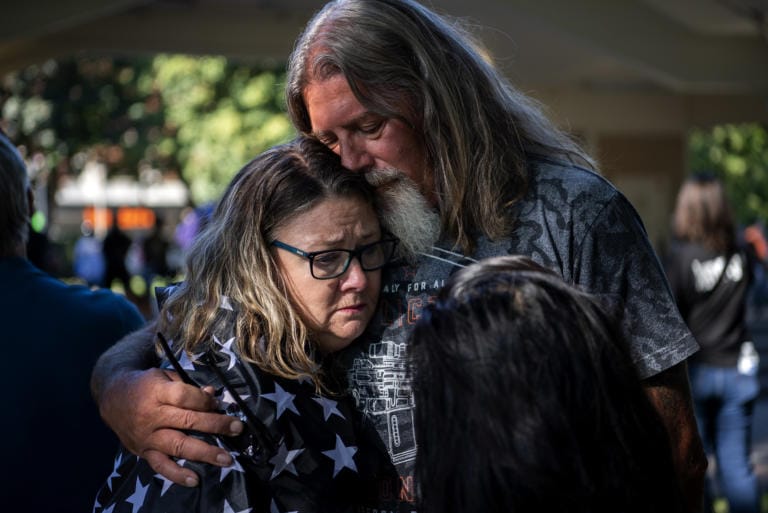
354	157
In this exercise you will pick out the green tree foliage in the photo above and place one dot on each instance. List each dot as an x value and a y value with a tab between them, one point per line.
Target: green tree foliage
220	115
68	111
200	118
738	154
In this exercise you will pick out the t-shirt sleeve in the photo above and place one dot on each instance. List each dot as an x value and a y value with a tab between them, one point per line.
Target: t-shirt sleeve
615	259
675	266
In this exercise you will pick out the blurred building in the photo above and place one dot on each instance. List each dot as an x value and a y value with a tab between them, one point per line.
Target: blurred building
90	196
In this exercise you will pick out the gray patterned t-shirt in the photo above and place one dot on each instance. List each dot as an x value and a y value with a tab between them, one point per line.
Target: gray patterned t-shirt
572	221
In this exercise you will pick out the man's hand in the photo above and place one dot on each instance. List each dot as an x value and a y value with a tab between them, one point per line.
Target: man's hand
670	393
146	409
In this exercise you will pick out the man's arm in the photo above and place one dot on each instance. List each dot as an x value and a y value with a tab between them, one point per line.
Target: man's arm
670	393
146	407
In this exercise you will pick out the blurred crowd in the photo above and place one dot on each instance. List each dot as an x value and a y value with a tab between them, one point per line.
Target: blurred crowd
128	261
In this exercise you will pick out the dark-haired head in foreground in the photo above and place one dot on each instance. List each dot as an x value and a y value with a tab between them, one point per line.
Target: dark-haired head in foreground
528	401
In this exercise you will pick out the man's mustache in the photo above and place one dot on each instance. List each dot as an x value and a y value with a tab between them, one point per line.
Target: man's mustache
404	211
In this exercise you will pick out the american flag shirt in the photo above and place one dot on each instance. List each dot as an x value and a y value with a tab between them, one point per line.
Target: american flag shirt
300	451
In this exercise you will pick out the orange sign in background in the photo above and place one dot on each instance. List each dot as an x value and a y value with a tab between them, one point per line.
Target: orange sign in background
128	218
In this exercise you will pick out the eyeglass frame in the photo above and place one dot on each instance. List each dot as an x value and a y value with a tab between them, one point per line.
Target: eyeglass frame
353	253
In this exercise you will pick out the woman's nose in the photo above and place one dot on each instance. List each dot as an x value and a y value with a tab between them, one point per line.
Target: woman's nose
355	278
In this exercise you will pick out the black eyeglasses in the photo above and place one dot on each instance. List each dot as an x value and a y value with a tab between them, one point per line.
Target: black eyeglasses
332	263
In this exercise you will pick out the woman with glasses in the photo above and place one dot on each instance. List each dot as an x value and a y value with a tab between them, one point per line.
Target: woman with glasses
287	272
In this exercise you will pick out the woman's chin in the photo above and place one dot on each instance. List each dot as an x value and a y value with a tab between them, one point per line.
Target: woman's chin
331	343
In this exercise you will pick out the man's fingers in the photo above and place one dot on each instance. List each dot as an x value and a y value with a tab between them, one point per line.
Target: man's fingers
183	446
181	395
169	469
202	421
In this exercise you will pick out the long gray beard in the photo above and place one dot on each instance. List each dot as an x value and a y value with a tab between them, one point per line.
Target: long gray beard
404	212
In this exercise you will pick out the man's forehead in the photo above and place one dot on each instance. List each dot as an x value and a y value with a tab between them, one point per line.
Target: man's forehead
331	103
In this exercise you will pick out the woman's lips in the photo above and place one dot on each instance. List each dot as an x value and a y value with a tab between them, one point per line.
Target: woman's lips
359	307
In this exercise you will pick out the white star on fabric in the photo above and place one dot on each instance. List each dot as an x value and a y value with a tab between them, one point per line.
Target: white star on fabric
283	460
235	467
167	483
274	509
110	509
137	499
226	348
342	456
115	473
185	362
225	304
227	398
329	407
283	400
228	508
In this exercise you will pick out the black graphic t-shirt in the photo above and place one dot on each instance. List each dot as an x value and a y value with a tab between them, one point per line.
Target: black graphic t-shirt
711	291
572	221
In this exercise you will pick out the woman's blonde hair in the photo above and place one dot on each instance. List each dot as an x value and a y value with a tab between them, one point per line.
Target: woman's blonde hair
231	258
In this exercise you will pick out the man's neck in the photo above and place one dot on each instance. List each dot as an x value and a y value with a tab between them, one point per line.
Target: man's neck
18	251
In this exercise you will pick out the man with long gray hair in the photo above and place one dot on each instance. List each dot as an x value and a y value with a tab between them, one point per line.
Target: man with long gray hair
390	85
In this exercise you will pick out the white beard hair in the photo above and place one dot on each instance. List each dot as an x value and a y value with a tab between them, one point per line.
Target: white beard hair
404	212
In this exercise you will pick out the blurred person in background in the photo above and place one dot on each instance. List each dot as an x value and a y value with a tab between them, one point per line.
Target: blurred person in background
757	246
88	257
710	274
57	448
115	247
154	250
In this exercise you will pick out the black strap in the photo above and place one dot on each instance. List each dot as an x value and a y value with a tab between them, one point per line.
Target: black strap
186	378
257	428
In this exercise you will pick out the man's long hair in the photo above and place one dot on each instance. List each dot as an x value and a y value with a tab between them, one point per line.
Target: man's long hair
403	61
703	214
527	400
232	258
